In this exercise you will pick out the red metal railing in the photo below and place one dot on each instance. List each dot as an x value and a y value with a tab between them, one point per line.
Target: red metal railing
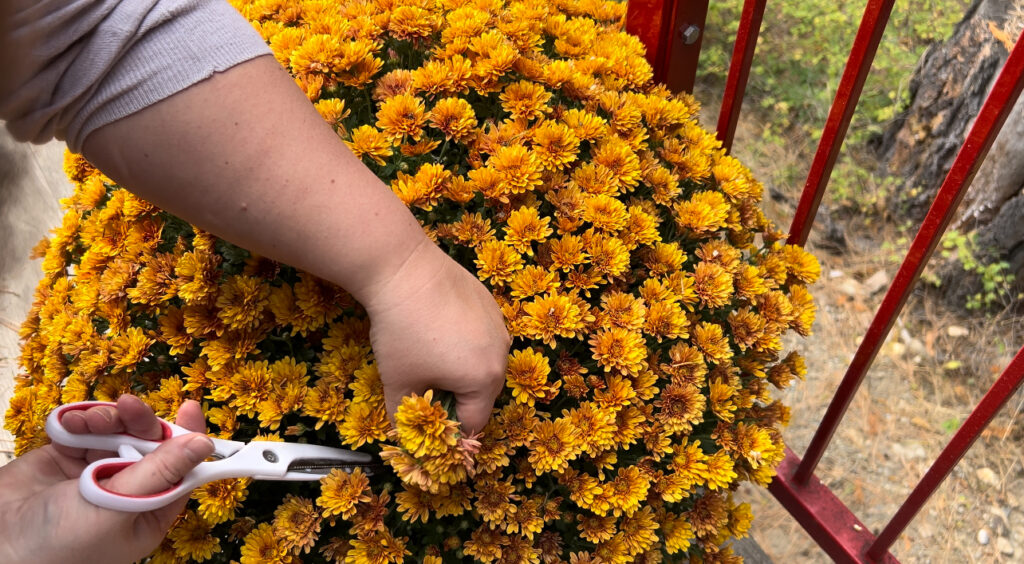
662	25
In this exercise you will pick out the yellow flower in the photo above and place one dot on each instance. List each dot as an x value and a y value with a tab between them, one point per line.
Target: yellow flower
525	226
364	423
411	22
368	140
197	276
454	117
340	491
608	255
712	341
566	252
380	547
518	421
619	349
719	472
625	492
533	280
527	376
219	500
553	315
619	309
676	533
424	189
423	426
129	348
554	444
485	544
555	145
173	332
471	230
400	116
297	523
192	538
704	212
333	111
250	384
241	302
262	547
596	425
497	262
638	530
681	406
432	78
618	157
518	168
804	310
712	284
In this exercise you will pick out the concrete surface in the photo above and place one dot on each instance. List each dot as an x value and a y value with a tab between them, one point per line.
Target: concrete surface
31	184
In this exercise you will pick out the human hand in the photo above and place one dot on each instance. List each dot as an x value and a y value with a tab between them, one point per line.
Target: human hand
45	518
433	325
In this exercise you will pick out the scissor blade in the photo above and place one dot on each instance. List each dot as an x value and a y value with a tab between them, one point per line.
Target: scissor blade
324	466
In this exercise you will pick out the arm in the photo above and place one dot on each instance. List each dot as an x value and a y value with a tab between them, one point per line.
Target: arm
245	156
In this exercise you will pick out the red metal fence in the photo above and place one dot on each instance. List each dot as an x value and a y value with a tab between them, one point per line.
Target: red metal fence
672	31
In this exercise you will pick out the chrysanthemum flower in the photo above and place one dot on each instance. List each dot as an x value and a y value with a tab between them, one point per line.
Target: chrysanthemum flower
340	491
393	83
555	314
533	280
220	500
454	117
519	169
485	544
596	426
424	189
530	142
525	226
676	532
619	349
527	376
497	262
297	523
401	116
712	284
423	426
555	144
250	384
192	538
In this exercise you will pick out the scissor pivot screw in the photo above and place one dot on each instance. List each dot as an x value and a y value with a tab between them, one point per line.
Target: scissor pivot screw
269	456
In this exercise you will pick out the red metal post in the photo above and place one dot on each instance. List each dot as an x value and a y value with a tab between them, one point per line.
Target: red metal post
649	20
739	69
876	15
824	516
672	30
986	126
982	415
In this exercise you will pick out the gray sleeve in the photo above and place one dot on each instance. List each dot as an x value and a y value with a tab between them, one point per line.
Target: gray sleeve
86	63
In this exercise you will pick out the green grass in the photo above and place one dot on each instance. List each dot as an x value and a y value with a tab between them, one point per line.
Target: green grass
800	57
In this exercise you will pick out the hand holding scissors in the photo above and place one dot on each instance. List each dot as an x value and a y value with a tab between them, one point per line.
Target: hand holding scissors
260	460
44	518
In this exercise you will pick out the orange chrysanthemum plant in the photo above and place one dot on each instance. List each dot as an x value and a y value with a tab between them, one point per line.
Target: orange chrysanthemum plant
646	292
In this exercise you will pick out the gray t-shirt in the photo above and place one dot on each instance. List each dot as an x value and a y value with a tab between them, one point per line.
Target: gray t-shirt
73	66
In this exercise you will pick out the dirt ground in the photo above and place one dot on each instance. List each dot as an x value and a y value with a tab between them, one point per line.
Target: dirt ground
935	366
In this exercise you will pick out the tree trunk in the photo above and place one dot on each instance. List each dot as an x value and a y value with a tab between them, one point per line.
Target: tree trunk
947	91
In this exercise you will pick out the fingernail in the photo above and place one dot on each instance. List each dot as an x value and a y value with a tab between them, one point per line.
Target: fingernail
198	448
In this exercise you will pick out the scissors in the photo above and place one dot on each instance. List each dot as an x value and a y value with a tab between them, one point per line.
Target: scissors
260	460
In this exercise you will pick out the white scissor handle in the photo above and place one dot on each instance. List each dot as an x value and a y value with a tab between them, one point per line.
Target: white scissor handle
262	460
60	435
95	493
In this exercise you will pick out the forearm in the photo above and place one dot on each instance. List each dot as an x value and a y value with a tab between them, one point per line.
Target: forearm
245	156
